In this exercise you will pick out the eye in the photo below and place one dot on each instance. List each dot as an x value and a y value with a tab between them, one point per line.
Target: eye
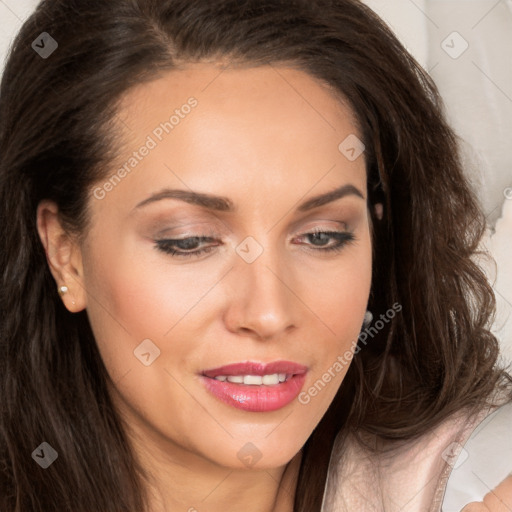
319	240
191	246
186	247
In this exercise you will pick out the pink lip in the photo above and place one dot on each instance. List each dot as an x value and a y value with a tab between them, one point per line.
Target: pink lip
256	398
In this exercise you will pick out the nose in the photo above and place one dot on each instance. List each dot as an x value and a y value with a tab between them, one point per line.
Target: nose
262	301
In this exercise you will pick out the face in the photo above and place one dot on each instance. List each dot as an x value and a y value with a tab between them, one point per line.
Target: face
224	300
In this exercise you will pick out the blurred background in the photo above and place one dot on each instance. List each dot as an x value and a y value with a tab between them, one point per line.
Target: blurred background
466	46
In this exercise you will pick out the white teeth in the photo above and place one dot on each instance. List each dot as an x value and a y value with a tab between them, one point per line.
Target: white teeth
236	379
271	380
254	380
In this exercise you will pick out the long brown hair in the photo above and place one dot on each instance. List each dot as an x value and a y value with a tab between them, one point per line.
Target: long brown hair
58	137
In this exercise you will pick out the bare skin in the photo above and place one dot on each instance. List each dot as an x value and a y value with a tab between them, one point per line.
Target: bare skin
266	138
497	500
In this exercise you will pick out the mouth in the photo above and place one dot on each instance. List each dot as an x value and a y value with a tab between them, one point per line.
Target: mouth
256	387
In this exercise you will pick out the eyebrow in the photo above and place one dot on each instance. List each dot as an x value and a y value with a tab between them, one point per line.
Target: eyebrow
224	204
328	197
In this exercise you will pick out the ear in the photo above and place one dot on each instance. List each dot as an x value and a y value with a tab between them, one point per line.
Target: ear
63	255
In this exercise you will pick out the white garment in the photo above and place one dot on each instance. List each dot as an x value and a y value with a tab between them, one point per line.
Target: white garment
417	475
484	462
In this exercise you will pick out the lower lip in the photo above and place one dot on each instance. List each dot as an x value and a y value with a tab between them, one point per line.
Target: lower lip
256	398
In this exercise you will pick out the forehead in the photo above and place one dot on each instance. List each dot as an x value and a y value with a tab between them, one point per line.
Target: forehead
222	86
208	127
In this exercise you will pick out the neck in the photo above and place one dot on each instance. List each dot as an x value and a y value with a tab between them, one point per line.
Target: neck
204	486
181	480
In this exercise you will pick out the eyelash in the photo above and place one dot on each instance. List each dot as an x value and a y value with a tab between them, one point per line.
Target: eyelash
168	246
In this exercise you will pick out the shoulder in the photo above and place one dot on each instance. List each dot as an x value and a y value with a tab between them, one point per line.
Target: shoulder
414	476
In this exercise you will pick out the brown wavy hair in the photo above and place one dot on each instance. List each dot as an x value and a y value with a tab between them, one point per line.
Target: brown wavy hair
58	137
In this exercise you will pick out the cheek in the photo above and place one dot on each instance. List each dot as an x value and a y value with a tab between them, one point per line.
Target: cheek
132	295
339	297
347	294
127	302
338	292
131	301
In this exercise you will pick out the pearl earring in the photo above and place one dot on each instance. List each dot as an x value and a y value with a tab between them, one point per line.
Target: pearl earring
379	210
368	317
64	289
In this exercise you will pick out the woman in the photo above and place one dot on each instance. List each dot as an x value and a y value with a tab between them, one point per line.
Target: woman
202	204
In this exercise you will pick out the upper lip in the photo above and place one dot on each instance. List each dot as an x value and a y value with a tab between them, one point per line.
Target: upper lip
253	368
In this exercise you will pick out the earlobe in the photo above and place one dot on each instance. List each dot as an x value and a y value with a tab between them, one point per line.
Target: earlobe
63	256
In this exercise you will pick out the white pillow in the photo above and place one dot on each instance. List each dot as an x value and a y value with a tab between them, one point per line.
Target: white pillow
500	246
